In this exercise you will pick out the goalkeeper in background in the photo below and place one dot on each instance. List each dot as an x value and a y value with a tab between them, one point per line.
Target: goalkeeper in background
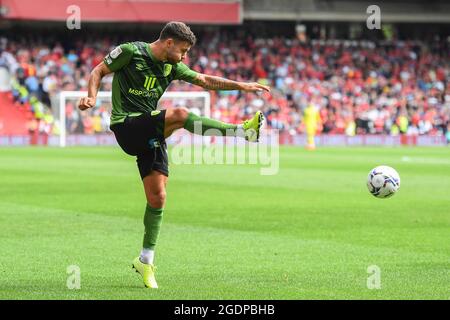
311	120
142	72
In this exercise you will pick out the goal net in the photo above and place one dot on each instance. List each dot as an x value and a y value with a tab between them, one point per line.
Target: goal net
91	127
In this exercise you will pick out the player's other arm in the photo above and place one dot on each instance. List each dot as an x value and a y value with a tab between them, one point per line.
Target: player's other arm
113	62
217	83
95	79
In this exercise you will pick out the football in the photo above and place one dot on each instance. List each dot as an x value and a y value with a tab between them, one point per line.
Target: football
383	181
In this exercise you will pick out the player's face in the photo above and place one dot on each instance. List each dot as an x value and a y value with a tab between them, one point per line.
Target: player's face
177	50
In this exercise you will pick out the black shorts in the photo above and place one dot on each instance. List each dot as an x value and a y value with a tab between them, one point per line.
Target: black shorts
143	137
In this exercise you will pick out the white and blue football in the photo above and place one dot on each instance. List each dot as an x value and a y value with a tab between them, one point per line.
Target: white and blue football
383	181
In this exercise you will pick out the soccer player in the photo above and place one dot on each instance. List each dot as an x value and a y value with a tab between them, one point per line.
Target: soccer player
311	120
142	72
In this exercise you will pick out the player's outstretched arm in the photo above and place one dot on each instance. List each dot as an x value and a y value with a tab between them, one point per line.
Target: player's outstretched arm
218	83
95	79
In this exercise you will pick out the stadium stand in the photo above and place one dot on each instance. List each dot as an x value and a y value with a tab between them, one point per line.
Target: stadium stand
360	86
392	81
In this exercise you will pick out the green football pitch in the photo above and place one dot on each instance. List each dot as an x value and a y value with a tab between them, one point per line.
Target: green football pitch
312	231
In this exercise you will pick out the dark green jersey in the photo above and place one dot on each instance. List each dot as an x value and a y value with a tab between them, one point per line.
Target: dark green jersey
139	79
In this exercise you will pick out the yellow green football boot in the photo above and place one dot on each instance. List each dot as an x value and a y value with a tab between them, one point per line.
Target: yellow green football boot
253	126
147	271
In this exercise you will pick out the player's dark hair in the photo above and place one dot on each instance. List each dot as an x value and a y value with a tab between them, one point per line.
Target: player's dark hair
178	31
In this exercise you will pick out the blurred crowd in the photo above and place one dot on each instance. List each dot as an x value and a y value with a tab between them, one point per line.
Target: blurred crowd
358	87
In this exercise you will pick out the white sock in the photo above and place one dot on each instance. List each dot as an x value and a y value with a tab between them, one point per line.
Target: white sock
147	256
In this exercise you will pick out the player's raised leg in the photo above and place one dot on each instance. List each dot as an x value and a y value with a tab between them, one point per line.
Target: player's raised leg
177	118
155	192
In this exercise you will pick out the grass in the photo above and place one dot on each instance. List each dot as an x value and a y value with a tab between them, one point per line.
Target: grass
309	232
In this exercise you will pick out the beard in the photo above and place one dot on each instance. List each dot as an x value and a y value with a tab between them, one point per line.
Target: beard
173	60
